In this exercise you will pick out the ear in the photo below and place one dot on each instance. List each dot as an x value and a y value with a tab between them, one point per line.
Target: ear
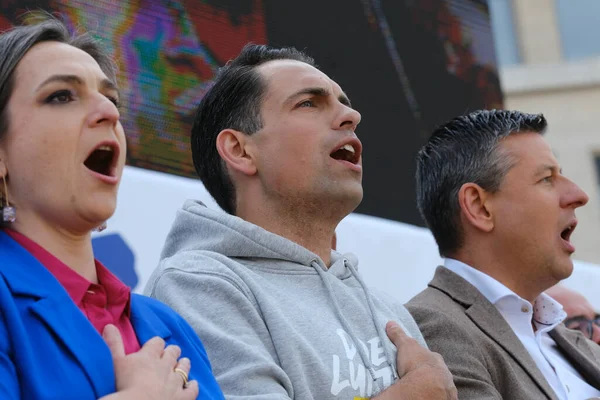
473	202
232	147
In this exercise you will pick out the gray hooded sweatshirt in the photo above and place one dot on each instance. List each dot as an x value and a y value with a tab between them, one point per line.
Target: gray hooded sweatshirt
275	321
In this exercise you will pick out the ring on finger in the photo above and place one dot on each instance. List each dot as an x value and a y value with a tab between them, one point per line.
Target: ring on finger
183	375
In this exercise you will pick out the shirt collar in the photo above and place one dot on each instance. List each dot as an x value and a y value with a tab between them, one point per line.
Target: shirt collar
546	310
489	287
117	293
75	284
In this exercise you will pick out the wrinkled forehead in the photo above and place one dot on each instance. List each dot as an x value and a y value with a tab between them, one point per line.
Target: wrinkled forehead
52	58
285	77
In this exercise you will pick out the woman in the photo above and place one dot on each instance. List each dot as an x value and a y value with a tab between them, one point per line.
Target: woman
69	329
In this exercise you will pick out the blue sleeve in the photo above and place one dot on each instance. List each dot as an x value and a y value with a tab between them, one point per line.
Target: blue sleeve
9	382
201	370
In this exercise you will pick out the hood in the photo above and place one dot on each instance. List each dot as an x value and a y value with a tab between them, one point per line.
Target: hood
198	227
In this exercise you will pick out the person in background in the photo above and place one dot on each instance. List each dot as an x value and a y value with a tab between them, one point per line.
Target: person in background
502	213
581	315
69	329
281	314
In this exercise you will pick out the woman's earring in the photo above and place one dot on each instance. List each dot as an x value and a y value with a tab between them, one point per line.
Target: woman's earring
9	214
100	227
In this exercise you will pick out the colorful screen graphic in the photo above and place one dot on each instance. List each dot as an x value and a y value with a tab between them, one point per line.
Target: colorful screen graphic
407	66
168	53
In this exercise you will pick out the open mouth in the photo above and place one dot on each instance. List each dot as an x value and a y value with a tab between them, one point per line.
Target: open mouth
565	234
346	153
102	160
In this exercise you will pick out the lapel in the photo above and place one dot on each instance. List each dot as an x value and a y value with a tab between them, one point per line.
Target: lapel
51	304
576	349
146	323
489	320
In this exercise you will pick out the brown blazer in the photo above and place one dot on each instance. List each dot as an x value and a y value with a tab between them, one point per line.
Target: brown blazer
483	354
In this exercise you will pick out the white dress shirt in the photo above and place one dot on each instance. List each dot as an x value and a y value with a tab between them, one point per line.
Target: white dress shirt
546	314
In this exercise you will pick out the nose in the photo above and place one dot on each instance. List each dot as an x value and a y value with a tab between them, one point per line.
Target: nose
575	196
348	118
103	111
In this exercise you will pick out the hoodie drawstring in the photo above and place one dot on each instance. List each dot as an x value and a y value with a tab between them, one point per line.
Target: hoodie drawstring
361	351
380	330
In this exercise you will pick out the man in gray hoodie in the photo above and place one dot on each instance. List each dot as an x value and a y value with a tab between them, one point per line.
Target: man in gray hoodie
281	315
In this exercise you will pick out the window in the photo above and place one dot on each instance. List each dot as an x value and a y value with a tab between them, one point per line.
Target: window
579	28
505	38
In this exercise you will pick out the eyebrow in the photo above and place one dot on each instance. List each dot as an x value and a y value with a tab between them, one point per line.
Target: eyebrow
548	167
106	83
319	92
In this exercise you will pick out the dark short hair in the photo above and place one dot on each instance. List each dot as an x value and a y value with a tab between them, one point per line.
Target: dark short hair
16	42
465	150
233	102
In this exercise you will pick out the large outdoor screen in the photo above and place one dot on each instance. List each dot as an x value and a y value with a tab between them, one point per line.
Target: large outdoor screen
407	65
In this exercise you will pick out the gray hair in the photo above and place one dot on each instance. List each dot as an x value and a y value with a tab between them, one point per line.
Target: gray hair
465	150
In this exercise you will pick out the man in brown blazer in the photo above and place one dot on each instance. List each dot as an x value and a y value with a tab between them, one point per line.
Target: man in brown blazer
502	213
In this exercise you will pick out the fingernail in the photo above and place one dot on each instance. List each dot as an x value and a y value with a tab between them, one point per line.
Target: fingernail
185	360
391	325
108	330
